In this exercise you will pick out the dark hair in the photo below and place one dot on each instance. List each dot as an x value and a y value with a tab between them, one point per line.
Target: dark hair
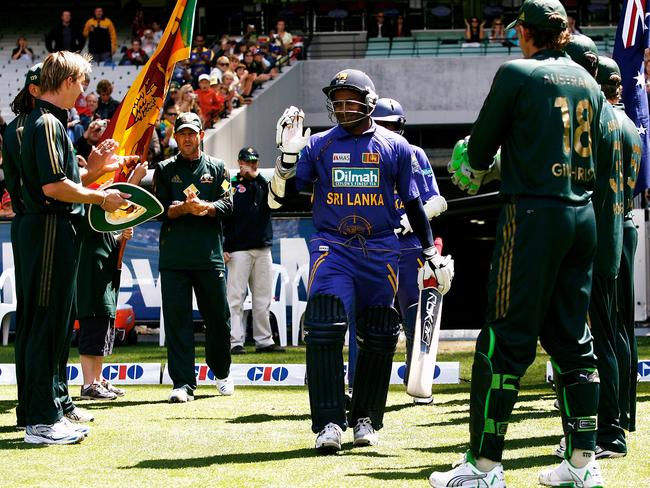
612	91
23	103
543	37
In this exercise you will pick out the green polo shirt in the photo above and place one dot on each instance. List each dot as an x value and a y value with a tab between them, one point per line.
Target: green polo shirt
192	242
631	158
47	156
11	160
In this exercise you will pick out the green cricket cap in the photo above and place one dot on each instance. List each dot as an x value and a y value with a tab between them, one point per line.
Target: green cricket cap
582	49
608	71
548	14
33	75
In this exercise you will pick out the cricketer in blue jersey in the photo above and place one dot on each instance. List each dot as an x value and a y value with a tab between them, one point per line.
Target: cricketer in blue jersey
355	169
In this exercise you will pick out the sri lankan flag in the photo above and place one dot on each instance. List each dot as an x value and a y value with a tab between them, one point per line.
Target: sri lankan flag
135	117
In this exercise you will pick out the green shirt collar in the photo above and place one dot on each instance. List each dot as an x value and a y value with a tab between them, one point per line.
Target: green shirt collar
58	112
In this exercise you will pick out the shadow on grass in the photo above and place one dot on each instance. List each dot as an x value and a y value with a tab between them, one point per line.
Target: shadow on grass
245	458
521	414
263	417
520	443
95	405
643	398
423	472
7	405
18	442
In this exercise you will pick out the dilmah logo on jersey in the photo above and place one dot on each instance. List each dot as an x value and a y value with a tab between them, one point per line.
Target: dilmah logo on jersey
341	158
355	177
267	373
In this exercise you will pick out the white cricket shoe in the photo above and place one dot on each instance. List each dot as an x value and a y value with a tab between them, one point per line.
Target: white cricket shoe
465	473
56	433
226	386
329	439
180	395
82	429
601	453
567	475
364	433
423	401
77	415
561	448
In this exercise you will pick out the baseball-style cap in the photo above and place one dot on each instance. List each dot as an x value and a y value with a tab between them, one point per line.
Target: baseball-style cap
204	77
583	50
188	120
249	155
608	71
549	14
33	75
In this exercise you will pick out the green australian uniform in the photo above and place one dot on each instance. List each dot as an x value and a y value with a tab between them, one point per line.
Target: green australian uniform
608	206
10	164
543	112
626	348
49	272
191	259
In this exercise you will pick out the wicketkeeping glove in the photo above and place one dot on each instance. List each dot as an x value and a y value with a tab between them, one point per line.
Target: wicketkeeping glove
289	135
462	174
436	267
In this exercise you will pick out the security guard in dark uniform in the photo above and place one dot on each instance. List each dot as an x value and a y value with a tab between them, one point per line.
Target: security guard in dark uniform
22	105
195	190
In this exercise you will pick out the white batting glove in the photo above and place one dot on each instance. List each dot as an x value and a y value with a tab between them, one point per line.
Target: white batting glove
289	135
438	268
404	226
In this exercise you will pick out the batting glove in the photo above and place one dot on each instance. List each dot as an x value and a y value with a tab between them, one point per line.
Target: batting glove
437	270
289	135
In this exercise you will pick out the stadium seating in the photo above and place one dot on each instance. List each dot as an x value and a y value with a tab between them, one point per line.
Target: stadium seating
298	306
8	304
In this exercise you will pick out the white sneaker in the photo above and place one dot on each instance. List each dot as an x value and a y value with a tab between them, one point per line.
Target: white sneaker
180	395
78	415
465	473
57	433
329	438
82	429
226	386
567	475
606	453
423	401
364	433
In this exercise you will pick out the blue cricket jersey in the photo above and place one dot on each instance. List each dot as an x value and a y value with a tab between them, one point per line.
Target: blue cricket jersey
356	180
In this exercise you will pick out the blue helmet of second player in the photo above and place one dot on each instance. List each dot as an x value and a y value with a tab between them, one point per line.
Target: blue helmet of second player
390	114
350	111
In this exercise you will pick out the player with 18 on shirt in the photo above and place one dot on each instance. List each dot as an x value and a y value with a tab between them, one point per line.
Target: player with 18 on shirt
544	112
53	196
194	188
355	169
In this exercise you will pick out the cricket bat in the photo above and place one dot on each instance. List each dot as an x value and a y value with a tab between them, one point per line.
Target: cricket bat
425	342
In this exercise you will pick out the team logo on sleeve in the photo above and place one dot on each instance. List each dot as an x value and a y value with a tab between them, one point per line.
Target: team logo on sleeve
341	158
355	177
370	158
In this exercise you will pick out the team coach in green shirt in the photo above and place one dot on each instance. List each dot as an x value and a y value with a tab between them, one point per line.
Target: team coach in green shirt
194	188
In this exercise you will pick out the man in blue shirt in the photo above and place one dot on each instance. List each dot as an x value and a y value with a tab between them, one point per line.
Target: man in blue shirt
355	169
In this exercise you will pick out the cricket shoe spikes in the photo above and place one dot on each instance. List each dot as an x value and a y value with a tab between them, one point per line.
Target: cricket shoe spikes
466	474
567	475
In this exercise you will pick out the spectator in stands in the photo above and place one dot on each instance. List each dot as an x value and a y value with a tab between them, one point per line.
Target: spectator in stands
22	51
210	102
226	89
225	48
65	36
251	34
379	28
138	25
89	110
573	27
149	43
201	59
157	32
182	73
135	55
7	210
497	32
90	137
107	104
474	32
401	28
165	129
172	93
248	235
244	86
187	100
74	128
223	65
102	38
283	38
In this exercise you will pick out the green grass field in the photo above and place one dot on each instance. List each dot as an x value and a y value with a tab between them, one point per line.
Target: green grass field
261	436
